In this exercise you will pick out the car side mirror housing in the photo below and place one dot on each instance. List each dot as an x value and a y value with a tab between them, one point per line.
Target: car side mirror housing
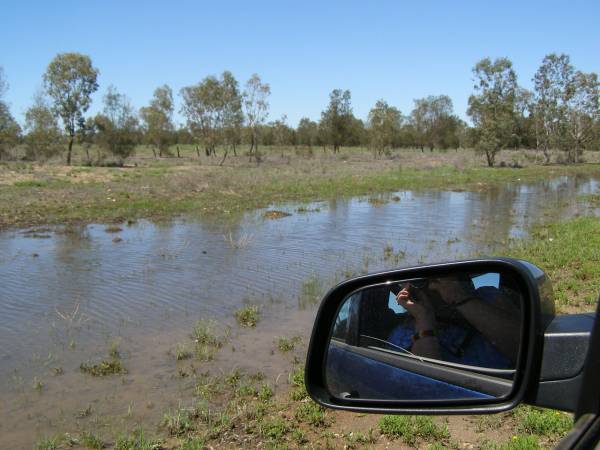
454	338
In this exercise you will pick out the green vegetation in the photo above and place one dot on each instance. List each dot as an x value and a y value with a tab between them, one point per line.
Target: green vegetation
136	441
412	428
104	195
288	344
573	268
207	339
90	440
542	422
248	316
518	442
103	368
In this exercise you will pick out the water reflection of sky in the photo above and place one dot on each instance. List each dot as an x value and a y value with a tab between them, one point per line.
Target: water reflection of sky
167	275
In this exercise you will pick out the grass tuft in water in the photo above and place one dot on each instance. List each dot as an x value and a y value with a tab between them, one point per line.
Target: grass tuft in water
288	344
103	368
248	316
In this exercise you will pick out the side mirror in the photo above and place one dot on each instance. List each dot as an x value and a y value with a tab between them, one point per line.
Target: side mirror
461	337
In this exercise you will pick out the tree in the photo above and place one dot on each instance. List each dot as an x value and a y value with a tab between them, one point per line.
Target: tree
256	106
565	105
70	80
43	136
553	83
492	107
433	121
583	114
157	120
9	128
203	108
336	120
307	132
117	125
233	116
384	125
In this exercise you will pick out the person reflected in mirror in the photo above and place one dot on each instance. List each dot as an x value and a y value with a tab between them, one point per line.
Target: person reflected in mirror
453	321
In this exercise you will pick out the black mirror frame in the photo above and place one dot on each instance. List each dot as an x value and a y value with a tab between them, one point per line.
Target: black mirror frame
527	367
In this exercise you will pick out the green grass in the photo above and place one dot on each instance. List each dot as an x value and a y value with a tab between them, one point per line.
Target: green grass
312	414
569	252
90	440
49	443
285	345
412	428
517	442
137	441
158	193
179	422
209	336
542	422
103	368
248	316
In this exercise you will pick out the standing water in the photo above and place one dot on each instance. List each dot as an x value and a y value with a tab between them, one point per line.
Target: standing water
67	293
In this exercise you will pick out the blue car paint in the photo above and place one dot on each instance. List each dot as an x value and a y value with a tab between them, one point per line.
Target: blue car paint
374	379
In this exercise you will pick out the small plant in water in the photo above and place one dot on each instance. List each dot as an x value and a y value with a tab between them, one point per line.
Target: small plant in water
103	368
247	316
287	345
182	352
207	339
178	423
90	440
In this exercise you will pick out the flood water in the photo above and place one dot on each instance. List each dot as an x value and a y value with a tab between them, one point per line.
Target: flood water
66	293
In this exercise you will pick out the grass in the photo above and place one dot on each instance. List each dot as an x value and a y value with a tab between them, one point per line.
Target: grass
49	443
412	428
103	368
179	422
207	339
90	440
574	268
137	441
285	345
165	188
248	316
542	422
311	292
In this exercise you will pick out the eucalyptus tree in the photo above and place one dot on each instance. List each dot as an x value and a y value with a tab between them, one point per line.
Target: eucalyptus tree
117	125
43	136
336	120
384	124
433	118
9	128
492	106
70	81
256	107
307	132
232	115
566	107
157	119
553	84
203	109
583	114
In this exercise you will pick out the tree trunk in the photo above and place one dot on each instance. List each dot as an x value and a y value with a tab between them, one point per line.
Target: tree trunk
87	154
489	154
224	157
70	150
178	154
153	150
198	151
234	152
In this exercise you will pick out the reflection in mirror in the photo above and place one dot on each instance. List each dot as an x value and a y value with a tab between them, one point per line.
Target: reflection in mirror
451	337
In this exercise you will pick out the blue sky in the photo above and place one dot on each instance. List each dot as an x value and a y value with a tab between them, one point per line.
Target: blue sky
395	50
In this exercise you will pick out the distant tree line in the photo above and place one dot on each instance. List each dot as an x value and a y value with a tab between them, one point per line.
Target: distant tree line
562	112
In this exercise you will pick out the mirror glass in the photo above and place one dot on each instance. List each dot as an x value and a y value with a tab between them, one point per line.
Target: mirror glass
445	338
